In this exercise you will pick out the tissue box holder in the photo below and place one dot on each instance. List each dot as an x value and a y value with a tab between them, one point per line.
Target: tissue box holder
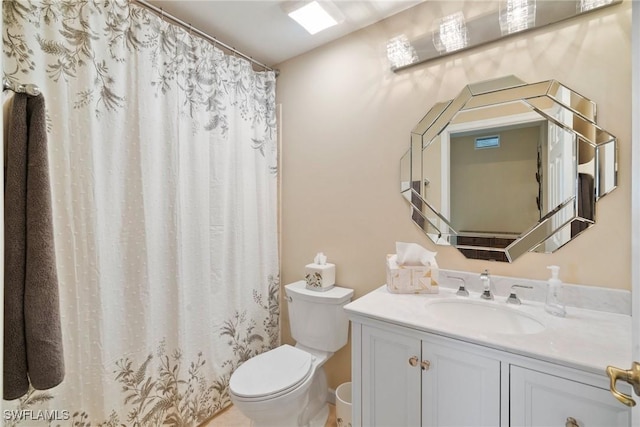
320	277
404	279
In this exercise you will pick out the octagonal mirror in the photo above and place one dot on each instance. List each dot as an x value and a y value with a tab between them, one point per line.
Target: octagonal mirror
508	167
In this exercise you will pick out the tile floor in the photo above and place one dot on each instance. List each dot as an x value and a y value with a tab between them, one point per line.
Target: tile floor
231	417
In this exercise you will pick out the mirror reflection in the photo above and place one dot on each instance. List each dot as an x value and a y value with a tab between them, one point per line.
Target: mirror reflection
508	167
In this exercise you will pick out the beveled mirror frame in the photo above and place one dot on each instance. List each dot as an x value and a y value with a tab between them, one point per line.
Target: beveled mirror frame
552	102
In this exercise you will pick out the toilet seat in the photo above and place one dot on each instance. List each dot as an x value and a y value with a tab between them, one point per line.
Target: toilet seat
271	374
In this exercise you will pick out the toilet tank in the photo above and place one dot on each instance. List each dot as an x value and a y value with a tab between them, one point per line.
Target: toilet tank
316	318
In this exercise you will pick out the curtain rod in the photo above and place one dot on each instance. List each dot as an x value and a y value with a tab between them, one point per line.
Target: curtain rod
164	15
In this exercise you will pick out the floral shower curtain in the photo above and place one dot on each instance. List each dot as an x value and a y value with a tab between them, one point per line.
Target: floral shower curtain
163	172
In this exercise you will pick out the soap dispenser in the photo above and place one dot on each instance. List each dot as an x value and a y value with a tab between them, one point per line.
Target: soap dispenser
554	303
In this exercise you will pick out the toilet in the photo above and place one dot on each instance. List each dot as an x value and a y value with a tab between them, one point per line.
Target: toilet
287	386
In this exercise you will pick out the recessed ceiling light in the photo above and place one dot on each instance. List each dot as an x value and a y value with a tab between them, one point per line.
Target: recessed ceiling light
313	17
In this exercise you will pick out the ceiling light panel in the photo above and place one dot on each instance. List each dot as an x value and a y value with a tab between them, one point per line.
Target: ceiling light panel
313	17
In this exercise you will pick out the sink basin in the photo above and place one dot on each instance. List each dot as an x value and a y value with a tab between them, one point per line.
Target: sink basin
484	316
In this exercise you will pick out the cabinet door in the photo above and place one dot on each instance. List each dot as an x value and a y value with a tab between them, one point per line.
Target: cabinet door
539	399
390	381
459	388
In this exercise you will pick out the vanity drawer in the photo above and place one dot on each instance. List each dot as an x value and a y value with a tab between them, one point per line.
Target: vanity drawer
539	399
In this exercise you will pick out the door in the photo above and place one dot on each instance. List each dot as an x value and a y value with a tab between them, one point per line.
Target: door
559	163
635	190
635	195
390	378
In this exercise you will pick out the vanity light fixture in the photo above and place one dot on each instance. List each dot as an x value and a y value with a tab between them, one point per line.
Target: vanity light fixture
313	17
455	33
517	15
586	5
400	52
451	34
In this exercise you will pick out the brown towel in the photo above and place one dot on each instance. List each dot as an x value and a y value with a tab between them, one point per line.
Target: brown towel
586	203
32	332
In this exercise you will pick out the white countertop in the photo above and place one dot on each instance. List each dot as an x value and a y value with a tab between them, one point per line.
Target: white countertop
585	339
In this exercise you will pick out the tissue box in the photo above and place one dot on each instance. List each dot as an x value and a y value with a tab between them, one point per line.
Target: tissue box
404	279
320	277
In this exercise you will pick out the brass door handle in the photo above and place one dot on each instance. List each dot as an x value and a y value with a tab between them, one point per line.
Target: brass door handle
571	422
413	361
632	376
425	365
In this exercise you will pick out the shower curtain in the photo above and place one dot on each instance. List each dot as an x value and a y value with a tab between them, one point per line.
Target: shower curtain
163	173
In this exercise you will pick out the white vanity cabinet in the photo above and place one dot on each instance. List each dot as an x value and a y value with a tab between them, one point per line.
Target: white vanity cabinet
408	377
421	380
540	399
460	387
390	378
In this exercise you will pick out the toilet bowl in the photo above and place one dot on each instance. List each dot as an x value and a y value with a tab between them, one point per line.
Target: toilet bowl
287	386
282	387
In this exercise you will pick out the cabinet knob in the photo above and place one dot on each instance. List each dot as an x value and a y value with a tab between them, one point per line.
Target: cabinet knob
425	365
413	361
571	422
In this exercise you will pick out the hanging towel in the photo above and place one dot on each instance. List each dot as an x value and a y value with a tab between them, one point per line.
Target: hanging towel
586	201
32	332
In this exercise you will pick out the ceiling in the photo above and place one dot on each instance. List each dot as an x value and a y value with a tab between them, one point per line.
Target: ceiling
262	29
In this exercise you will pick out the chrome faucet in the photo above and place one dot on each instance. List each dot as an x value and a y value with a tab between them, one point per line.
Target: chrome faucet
486	284
462	290
513	298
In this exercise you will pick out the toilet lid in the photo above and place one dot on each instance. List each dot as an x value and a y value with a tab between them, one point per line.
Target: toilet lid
272	372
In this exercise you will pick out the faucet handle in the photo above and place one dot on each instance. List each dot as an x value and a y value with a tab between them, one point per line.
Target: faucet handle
486	283
462	290
513	298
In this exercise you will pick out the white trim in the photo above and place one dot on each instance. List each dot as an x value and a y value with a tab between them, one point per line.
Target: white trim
514	119
445	177
635	194
1	252
279	207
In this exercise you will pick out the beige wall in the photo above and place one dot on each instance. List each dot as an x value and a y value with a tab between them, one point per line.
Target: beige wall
346	120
